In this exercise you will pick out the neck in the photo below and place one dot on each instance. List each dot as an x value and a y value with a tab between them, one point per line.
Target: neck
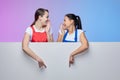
38	25
71	29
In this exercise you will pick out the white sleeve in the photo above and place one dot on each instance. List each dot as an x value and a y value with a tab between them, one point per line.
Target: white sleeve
29	31
60	32
79	33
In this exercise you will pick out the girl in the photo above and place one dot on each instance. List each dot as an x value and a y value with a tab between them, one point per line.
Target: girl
71	31
39	31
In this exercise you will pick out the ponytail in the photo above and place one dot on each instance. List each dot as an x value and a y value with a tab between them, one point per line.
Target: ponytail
78	23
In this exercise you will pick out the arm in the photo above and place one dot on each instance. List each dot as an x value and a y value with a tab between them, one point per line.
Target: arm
61	33
48	30
29	52
60	37
50	37
83	47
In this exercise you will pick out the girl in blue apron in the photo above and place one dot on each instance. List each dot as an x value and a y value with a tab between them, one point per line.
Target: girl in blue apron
71	31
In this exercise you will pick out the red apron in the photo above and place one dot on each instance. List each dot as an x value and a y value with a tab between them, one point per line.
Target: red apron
39	36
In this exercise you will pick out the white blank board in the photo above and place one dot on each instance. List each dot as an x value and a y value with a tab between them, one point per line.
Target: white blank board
100	62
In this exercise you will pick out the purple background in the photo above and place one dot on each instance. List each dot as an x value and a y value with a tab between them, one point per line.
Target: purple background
100	18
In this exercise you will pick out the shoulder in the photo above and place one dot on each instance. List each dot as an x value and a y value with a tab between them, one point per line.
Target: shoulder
79	31
29	30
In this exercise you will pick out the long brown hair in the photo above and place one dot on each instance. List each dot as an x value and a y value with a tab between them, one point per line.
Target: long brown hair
39	12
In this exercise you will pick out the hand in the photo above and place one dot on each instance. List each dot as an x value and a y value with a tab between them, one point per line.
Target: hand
47	29
41	63
71	60
62	28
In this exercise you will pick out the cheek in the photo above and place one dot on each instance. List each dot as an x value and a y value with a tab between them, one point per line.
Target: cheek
67	24
43	20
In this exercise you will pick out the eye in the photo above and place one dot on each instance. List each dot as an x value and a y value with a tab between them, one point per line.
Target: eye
47	17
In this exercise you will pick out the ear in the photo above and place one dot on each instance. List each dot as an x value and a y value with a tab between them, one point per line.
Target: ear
40	17
72	21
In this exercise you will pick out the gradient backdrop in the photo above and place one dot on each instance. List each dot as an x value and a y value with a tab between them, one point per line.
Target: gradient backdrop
100	18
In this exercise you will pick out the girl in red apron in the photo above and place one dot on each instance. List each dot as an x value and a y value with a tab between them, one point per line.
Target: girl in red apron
39	31
71	31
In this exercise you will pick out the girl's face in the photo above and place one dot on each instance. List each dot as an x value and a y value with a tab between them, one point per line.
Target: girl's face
67	22
44	18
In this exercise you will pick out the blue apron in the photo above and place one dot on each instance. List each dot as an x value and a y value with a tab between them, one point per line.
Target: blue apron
75	39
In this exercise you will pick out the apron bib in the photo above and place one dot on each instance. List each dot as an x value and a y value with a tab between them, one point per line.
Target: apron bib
75	39
39	36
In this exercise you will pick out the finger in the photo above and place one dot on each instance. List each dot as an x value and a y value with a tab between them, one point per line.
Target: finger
61	26
69	64
72	61
44	65
40	64
69	61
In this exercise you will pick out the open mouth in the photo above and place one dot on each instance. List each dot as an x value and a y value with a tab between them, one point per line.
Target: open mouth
64	24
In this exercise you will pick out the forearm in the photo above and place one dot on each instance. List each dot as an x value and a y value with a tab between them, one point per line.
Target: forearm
79	50
60	38
29	52
49	36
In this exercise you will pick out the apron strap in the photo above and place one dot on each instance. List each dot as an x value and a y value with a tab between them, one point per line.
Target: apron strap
75	39
65	36
76	35
33	29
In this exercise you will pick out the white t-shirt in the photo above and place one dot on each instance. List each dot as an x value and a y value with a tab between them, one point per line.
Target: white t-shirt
71	37
30	31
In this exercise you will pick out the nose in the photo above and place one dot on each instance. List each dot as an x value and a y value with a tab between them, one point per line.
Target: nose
47	20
